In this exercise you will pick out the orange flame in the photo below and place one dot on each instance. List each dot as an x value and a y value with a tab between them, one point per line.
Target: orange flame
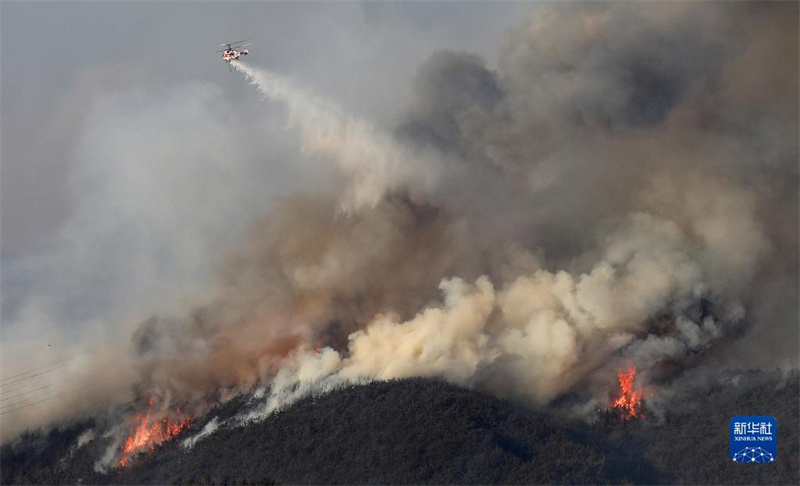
630	400
148	435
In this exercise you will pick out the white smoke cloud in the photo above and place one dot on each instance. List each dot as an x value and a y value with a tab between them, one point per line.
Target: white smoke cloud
589	204
545	331
373	163
164	180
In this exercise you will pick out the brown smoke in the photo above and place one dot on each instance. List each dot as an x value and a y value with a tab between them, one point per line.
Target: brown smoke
623	188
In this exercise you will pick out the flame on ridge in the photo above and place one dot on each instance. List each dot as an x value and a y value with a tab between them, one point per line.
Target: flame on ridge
149	433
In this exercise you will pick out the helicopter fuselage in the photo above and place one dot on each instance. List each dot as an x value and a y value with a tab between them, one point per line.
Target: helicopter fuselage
233	55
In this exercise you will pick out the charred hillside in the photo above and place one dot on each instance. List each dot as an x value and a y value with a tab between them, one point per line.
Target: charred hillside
420	431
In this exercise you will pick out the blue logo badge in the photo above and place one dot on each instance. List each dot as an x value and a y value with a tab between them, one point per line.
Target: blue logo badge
754	438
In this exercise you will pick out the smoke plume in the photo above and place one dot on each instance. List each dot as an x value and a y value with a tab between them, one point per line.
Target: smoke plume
621	188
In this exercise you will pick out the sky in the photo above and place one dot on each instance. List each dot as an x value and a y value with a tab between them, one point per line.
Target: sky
519	197
60	57
62	60
120	115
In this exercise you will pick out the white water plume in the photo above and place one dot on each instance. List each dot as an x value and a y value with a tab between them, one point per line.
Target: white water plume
372	162
600	200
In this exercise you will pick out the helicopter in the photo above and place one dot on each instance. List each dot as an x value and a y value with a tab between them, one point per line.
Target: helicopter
233	51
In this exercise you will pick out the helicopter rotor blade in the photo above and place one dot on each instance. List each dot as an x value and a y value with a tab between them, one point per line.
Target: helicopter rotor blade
234	43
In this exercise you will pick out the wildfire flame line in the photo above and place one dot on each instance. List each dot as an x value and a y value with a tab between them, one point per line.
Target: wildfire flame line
148	435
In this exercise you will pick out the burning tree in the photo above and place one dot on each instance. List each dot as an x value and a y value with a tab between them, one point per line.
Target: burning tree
629	402
151	432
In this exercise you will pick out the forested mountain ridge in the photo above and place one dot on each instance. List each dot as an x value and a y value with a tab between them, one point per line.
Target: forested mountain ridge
422	431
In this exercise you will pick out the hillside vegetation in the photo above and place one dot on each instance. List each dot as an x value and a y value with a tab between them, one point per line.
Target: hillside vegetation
427	432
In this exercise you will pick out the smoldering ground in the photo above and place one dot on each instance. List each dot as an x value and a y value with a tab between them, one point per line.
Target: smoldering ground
621	188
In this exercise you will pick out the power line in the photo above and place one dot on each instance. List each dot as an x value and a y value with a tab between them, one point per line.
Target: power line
55	365
21	386
10	405
84	375
65	353
36	369
33	375
26	392
31	404
102	381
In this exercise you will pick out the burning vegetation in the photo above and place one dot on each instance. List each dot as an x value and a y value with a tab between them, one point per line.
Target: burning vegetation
151	431
629	402
507	272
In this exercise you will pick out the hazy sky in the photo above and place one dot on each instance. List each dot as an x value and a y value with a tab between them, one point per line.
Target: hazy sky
61	57
528	188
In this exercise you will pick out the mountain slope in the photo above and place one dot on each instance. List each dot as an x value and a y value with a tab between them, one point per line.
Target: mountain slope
413	431
422	431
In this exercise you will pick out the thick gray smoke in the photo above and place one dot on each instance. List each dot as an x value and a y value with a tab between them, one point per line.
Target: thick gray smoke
622	188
